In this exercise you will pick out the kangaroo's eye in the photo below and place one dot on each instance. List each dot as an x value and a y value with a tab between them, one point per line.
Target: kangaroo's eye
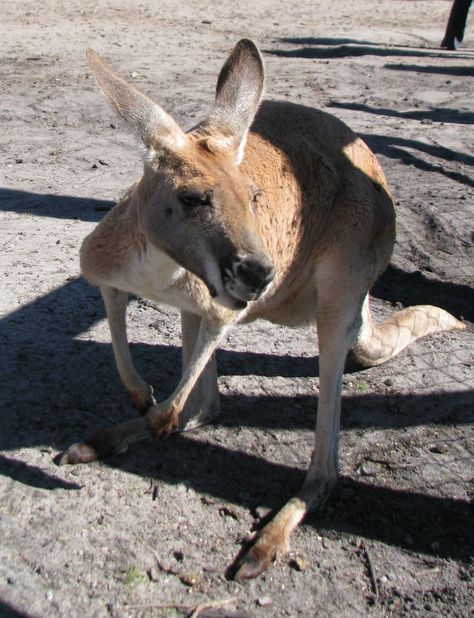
193	199
256	193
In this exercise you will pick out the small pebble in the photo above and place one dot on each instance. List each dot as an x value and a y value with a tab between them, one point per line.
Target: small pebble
439	448
188	579
153	574
367	469
264	601
228	511
298	563
262	511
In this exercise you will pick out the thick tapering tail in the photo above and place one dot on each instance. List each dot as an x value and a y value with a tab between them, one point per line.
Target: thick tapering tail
378	343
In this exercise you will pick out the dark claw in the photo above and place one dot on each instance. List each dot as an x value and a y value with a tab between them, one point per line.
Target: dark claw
142	406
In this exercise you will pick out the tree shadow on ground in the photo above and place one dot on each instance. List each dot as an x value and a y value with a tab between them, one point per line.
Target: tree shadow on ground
41	343
451	70
56	206
33	476
313	47
357	507
396	148
8	611
414	288
437	114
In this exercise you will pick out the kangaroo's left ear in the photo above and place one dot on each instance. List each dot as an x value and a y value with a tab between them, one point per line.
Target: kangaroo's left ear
238	93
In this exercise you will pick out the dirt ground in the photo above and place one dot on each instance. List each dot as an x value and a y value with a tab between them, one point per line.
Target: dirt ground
161	524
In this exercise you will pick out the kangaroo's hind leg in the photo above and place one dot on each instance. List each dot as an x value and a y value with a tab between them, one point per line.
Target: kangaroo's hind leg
338	317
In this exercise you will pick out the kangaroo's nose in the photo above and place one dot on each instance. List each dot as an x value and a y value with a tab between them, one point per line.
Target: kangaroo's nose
255	273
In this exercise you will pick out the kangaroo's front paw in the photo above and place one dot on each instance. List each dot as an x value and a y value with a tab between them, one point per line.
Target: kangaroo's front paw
162	421
142	399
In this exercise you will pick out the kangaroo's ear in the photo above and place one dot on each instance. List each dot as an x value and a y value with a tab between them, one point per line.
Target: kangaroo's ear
155	127
238	92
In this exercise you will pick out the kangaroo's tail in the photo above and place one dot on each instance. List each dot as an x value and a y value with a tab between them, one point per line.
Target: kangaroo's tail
378	343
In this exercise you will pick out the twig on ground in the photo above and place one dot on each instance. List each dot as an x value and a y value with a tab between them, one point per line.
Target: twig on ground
193	608
210	605
372	575
428	571
391	465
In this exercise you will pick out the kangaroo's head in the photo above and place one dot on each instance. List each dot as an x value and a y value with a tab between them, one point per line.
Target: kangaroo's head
195	203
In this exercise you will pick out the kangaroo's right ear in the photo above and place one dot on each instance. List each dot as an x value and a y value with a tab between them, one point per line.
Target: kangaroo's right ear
238	92
155	127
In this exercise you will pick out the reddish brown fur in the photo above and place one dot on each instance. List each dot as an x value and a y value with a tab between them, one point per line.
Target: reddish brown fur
194	233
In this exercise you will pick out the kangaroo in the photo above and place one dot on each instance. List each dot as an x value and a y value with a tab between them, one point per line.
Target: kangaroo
268	211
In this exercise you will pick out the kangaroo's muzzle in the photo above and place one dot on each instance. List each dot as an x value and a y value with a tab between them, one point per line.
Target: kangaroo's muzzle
248	277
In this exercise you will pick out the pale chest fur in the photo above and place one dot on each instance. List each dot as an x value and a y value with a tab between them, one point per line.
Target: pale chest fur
150	273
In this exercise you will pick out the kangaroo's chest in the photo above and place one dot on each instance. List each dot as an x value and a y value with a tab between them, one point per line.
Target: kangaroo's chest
152	274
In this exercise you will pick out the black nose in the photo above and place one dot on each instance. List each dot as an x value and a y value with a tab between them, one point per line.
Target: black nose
255	273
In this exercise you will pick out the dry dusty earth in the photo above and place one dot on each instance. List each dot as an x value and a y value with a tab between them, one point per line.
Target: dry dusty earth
161	524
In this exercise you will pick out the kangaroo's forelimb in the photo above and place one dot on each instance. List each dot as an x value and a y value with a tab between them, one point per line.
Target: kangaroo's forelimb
162	418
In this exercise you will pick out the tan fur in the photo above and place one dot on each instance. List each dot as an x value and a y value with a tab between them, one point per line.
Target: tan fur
295	232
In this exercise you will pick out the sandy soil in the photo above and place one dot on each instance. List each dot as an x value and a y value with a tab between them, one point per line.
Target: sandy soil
161	524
